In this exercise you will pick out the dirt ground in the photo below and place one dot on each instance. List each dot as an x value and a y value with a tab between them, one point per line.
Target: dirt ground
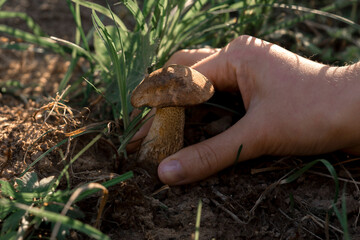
246	201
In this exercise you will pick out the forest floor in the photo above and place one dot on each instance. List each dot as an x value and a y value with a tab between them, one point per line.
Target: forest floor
246	201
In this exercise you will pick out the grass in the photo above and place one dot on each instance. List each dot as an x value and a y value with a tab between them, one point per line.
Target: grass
120	58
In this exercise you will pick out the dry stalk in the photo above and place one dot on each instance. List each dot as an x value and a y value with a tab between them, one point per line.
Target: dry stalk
267	191
305	229
231	214
74	196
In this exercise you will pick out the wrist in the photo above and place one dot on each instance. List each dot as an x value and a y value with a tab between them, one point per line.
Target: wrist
346	99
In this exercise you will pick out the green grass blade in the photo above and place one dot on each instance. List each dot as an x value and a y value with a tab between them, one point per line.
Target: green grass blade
102	10
35	28
342	216
31	38
106	184
65	80
92	142
136	12
79	29
83	52
311	13
323	12
119	63
304	169
18	46
148	5
43	155
128	135
78	34
2	2
198	220
122	74
55	217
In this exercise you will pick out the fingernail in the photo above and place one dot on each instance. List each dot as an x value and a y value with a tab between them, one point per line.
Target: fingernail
171	172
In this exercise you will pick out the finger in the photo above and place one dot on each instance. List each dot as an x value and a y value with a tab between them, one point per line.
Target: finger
201	160
226	67
188	57
219	69
142	132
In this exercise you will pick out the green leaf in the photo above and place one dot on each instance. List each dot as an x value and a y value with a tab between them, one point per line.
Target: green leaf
12	222
7	189
100	46
107	12
10	236
5	211
27	182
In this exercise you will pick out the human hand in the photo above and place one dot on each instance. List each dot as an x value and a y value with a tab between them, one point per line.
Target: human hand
293	106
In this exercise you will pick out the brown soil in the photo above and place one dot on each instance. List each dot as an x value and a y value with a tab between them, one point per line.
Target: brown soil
245	201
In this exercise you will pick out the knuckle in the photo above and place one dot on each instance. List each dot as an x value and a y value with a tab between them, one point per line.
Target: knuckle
240	41
177	57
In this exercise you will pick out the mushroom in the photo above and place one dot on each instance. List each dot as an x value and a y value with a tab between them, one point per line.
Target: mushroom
169	90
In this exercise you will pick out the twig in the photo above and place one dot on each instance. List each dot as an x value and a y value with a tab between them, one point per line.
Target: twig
305	229
339	178
165	187
350	176
347	161
232	215
219	194
357	219
267	190
267	169
321	222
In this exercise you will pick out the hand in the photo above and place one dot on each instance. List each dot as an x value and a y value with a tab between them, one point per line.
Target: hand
293	106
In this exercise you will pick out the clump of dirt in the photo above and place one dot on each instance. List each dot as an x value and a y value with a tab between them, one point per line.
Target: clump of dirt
246	201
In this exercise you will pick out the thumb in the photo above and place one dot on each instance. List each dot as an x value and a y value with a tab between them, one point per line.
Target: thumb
203	159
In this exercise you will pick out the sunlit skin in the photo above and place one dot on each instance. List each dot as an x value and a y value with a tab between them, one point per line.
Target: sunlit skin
294	106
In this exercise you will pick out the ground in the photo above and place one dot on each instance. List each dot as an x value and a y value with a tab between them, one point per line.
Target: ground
246	201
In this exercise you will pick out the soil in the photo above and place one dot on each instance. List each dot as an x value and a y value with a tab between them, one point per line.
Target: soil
246	201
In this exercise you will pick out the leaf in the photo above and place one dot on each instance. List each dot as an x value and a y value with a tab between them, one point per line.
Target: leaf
10	236
12	222
27	182
44	184
100	47
7	189
5	210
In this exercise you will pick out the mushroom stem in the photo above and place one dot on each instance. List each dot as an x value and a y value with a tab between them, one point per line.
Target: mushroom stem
166	135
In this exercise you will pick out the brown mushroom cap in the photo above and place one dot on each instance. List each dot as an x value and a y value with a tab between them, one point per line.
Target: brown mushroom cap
171	86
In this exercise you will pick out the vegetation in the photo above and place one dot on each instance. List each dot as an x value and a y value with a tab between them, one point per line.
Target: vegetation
119	56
